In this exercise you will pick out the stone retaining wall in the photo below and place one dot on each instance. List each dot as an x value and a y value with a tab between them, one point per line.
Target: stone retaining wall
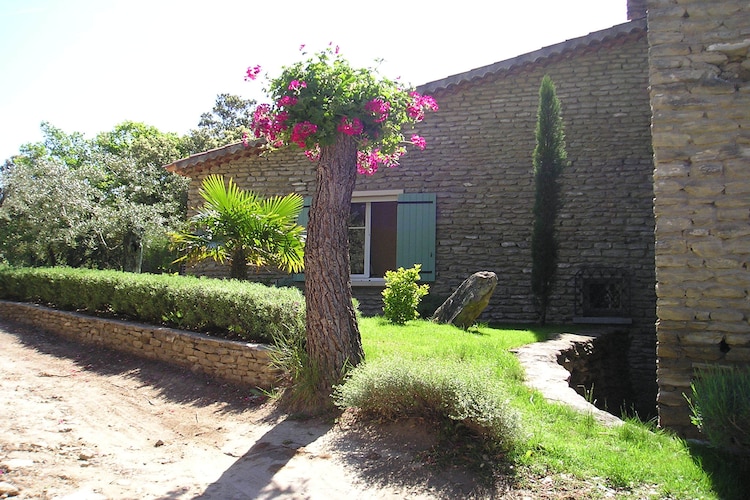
237	362
569	366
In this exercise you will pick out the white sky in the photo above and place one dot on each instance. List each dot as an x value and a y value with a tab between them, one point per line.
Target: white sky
87	65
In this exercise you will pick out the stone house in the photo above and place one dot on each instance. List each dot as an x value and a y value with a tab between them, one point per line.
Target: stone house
464	203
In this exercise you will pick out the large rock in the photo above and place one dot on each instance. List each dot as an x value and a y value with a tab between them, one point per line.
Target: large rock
465	305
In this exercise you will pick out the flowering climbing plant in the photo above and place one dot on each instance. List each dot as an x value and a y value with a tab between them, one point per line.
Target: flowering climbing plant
316	99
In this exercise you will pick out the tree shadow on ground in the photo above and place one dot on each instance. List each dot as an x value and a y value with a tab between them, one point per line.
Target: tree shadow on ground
391	459
174	383
273	467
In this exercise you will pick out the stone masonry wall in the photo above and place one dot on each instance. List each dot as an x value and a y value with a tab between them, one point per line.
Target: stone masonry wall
700	94
478	162
237	362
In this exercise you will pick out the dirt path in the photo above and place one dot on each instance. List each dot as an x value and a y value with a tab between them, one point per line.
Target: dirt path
80	422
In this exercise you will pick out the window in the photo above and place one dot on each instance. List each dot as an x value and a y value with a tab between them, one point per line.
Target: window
602	295
388	230
372	238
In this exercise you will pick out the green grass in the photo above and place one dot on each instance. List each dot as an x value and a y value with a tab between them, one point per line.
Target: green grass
637	459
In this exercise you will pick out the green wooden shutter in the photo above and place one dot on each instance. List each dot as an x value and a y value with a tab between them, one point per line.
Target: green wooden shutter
304	217
415	238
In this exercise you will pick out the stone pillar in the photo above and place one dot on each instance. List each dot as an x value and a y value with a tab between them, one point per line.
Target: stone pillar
700	96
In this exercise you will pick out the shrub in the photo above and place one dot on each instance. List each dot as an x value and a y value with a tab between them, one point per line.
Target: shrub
402	294
225	308
445	391
720	406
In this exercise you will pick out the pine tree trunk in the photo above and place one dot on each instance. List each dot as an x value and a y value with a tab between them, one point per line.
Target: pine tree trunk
333	339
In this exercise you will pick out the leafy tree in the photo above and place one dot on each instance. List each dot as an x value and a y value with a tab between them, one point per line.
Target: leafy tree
38	223
239	226
348	120
101	203
230	118
549	159
71	150
146	145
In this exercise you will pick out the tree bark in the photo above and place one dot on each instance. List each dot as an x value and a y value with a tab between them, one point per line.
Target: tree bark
333	340
238	269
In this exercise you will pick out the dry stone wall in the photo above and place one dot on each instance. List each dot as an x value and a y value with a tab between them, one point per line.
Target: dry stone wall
238	362
700	94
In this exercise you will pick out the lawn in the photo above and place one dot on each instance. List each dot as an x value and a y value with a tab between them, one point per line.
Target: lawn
636	459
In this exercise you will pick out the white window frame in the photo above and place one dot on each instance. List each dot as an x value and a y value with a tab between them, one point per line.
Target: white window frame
369	197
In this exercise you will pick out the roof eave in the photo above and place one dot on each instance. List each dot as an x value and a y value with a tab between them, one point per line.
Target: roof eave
212	155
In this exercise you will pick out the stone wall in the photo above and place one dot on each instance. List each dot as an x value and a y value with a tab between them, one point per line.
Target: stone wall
569	367
237	362
598	370
700	94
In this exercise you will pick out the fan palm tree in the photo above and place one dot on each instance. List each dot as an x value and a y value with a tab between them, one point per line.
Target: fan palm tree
240	227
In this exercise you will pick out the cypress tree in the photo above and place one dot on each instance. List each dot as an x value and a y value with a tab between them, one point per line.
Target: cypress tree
549	159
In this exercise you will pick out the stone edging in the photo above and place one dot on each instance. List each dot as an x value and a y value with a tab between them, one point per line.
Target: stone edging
237	362
544	373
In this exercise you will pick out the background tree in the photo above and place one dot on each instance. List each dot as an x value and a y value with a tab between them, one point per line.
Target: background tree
38	223
239	226
549	159
230	118
99	203
348	120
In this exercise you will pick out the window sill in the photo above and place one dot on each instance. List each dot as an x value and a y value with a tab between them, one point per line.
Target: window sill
368	282
602	320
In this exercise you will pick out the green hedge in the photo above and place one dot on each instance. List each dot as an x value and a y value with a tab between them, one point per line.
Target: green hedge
224	308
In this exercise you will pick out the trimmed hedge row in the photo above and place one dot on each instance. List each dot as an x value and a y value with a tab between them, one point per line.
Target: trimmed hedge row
224	308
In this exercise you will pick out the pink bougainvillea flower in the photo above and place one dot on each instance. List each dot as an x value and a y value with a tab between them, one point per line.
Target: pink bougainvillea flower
252	73
301	131
350	126
286	101
419	104
245	139
418	141
268	125
368	162
281	118
379	109
297	85
313	154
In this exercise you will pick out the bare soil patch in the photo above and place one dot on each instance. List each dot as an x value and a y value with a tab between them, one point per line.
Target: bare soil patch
82	422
